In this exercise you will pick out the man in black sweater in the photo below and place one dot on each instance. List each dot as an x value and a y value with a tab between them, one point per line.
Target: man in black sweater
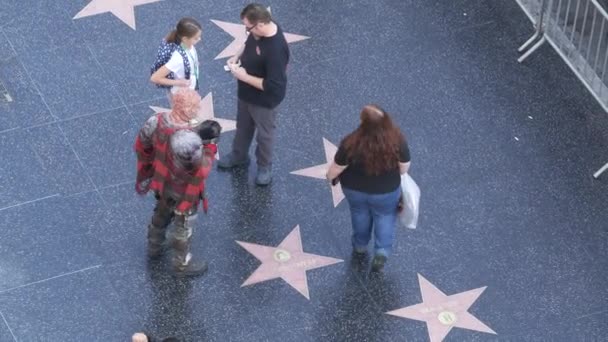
260	68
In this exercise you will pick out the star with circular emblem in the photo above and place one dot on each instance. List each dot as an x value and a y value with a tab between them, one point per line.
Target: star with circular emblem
287	261
442	312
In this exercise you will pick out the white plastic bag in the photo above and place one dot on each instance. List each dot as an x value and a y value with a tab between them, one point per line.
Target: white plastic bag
408	217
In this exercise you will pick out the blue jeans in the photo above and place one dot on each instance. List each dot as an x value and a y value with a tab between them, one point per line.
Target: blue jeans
377	211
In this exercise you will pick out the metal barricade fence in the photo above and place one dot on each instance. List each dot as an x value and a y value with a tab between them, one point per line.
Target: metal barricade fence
578	31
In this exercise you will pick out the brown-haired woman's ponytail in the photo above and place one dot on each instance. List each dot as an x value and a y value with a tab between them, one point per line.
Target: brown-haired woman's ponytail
186	27
172	37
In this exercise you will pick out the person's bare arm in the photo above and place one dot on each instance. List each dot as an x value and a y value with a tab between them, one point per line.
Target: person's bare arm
241	74
404	167
334	171
160	77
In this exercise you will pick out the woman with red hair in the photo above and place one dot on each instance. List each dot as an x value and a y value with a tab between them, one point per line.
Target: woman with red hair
369	164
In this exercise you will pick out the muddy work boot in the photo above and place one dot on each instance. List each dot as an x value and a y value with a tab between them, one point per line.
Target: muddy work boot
193	268
183	265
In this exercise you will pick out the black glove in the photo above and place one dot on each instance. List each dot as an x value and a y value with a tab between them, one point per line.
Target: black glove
209	131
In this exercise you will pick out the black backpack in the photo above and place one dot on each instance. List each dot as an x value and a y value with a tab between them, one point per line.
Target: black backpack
165	51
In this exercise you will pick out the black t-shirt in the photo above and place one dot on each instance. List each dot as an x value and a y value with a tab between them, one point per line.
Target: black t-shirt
266	57
355	178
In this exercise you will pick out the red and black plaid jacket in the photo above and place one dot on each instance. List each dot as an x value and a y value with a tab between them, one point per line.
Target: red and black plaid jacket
156	168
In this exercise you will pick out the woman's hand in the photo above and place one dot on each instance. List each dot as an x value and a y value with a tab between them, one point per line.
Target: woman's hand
334	171
400	204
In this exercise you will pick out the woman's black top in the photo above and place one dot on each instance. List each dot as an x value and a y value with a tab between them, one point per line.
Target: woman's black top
355	178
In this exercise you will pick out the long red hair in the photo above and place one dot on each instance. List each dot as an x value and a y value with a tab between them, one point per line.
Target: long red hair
375	143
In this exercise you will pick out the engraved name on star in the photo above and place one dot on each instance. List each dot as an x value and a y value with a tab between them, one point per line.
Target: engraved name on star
122	9
238	32
287	261
319	171
442	312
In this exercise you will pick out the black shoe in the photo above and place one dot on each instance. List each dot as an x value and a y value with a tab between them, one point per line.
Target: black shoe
378	262
359	251
193	269
228	162
358	260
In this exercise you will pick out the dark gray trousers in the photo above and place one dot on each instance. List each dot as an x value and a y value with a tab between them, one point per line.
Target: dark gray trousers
251	118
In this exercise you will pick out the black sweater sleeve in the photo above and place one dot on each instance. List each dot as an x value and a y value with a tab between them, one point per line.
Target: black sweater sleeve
276	67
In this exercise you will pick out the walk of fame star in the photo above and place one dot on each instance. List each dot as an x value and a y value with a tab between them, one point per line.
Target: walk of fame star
442	312
287	261
122	9
238	32
319	171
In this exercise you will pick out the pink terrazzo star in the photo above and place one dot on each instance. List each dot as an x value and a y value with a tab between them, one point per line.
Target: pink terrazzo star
122	9
319	171
237	31
442	312
286	261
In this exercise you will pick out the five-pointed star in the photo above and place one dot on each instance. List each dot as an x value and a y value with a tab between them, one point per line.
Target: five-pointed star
238	32
319	171
441	312
286	261
122	9
208	114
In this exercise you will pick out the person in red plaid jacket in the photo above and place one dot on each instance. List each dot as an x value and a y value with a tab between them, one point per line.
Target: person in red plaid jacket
175	152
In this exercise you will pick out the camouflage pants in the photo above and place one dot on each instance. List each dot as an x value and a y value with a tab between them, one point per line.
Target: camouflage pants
179	237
